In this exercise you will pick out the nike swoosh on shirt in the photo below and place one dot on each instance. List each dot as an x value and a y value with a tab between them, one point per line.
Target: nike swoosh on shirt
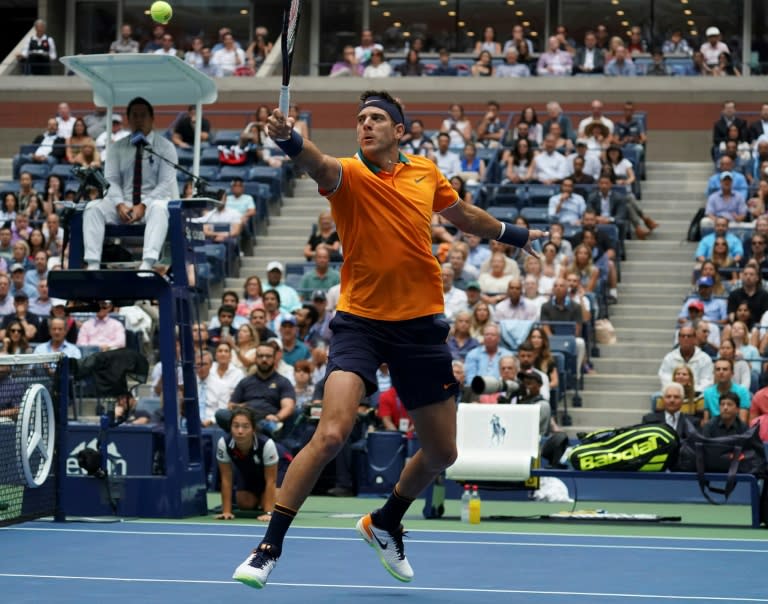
420	178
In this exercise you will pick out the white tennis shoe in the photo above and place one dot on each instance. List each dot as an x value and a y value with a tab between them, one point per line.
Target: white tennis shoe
254	571
388	546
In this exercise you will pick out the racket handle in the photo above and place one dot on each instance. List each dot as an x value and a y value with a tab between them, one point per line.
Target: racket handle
285	99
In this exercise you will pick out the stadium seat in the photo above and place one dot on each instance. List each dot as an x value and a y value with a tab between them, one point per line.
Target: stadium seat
503	213
185	156
271	176
539	194
226	138
230	172
209	172
209	156
538	215
63	171
38	171
510	195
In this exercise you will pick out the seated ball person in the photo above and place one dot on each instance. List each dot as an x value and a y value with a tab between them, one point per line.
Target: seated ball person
254	457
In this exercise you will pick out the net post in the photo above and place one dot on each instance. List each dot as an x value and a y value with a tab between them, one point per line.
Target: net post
61	436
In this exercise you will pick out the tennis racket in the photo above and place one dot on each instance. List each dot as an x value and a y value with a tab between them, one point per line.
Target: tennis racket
287	41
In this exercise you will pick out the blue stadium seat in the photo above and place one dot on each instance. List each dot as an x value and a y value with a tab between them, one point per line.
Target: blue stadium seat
226	137
40	171
185	156
209	156
539	194
209	173
63	171
538	215
229	172
272	176
510	195
506	213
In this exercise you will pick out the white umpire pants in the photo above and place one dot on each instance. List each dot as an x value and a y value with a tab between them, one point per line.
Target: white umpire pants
101	212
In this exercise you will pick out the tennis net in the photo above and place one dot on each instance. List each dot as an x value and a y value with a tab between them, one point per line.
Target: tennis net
30	386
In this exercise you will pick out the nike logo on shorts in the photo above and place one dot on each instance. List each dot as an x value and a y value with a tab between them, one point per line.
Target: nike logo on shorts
420	178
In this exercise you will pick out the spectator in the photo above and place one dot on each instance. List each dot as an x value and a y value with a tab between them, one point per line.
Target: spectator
444	67
484	360
34	325
323	277
690	355
759	127
42	303
537	342
705	333
289	298
125	43
258	50
184	129
490	129
637	44
252	299
551	166
751	292
39	51
230	57
727	119
460	341
518	40
57	327
554	61
51	148
725	66
102	330
535	131
270	396
158	31
88	156
713	47
258	320
676	44
514	306
15	340
222	215
740	335
631	131
672	398
463	272
18	276
493	282
128	204
621	64
520	164
488	43
589	58
208	66
609	206
447	161
481	317
457	126
40	270
706	245
225	329
293	348
324	234
348	65
167	47
511	68
715	309
729	420
555	114
117	132
742	373
222	380
78	136
693	402
378	66
758	411
365	50
726	202
194	56
455	299
567	207
658	66
595	116
698	66
483	66
26	189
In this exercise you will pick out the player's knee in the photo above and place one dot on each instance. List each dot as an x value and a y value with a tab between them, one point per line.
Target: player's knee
329	442
440	457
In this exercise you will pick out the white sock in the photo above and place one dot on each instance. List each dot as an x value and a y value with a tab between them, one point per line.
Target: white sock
613	292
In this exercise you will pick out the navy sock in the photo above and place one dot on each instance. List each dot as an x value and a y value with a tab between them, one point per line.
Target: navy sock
278	527
390	515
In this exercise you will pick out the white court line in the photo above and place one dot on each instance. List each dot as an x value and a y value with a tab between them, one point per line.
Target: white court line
475	532
468	590
428	541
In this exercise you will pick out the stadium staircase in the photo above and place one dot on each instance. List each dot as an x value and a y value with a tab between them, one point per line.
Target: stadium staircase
655	279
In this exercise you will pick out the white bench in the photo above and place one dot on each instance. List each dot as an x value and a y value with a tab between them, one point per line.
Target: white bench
495	442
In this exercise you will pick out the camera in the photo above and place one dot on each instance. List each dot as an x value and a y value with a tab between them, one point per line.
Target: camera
91	176
488	385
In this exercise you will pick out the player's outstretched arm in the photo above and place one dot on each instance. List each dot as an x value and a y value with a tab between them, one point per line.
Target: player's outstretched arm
471	219
323	169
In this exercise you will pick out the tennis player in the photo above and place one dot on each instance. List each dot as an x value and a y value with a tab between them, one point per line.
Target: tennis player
390	311
254	457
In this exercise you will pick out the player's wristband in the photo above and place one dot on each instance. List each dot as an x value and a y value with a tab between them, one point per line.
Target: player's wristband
291	146
512	234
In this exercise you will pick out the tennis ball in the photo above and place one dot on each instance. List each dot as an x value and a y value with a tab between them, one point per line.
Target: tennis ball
161	12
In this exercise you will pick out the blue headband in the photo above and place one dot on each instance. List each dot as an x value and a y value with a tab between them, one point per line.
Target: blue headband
383	104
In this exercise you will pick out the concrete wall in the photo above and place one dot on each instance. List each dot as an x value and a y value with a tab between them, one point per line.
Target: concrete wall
681	111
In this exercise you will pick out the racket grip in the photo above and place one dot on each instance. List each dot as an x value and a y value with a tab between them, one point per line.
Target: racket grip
285	99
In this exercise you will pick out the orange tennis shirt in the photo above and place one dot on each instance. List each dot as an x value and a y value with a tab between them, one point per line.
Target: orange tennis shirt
384	221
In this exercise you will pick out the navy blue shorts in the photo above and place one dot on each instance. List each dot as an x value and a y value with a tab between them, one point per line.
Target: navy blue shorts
415	350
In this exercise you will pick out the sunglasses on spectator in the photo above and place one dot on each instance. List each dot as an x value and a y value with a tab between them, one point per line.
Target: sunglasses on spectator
15	330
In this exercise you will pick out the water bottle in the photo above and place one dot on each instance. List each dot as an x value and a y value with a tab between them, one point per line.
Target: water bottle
474	506
465	497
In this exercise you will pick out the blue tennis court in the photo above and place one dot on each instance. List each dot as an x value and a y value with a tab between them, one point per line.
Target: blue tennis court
136	561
